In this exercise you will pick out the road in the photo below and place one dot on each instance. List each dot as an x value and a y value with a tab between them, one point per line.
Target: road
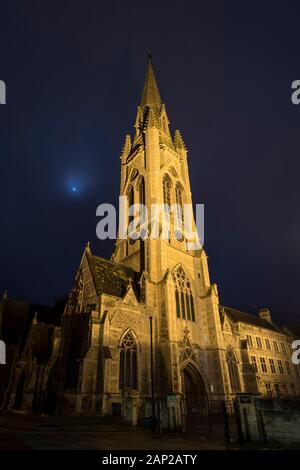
20	432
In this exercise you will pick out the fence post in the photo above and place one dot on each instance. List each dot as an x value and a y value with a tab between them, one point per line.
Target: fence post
226	424
238	422
209	417
246	424
261	426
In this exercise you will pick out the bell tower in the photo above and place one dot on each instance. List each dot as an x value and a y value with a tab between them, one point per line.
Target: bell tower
174	278
154	171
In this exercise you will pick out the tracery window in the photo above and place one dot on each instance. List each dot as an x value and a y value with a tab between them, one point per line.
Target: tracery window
128	363
130	196
143	290
183	295
142	198
167	190
179	201
179	213
233	371
142	191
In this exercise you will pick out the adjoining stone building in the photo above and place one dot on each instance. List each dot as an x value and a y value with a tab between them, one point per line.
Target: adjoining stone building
29	332
265	349
97	360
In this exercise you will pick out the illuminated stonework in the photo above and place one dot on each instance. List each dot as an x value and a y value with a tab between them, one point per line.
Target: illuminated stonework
100	362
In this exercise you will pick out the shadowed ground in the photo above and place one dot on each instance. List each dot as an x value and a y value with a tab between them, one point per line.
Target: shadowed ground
20	432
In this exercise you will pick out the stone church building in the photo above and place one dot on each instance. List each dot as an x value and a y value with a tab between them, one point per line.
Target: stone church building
148	322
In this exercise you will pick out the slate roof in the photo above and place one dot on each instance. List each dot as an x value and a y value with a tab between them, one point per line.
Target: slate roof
112	278
243	317
295	330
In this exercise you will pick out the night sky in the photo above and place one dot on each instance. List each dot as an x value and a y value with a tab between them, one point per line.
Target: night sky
74	72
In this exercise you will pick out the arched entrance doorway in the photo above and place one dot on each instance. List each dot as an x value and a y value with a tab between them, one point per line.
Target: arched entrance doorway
193	387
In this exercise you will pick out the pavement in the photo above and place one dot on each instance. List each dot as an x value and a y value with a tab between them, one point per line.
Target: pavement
20	431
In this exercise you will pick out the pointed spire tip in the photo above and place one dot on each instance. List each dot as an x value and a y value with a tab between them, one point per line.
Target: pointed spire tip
151	96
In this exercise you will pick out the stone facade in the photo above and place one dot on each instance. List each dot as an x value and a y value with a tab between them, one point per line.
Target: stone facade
265	349
100	354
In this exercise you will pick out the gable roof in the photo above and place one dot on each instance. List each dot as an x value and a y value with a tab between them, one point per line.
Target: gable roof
112	278
243	317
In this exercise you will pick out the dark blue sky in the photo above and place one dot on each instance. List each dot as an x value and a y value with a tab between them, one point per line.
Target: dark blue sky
74	72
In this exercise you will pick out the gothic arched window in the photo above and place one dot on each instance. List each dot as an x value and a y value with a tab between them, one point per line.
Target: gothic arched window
128	363
167	190
179	200
180	214
130	196
183	295
142	191
143	290
233	371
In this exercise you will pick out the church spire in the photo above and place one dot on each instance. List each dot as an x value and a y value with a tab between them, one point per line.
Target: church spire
151	96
